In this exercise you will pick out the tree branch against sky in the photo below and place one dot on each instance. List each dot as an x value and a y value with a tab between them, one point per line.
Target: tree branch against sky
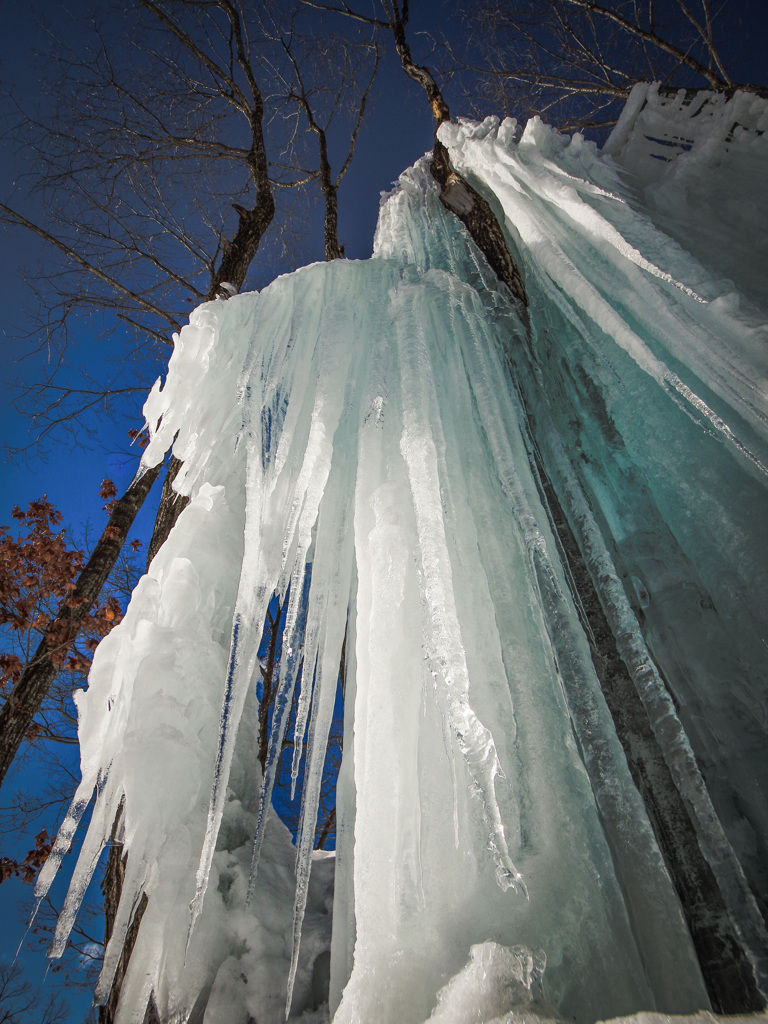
574	62
23	1003
155	173
352	57
457	194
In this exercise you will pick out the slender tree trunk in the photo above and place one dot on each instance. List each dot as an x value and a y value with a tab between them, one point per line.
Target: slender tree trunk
333	249
30	691
269	687
478	218
421	75
330	823
108	1011
112	887
170	508
241	250
457	194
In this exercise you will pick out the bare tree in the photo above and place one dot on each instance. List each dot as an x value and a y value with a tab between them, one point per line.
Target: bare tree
456	193
574	62
161	166
310	56
22	1003
153	174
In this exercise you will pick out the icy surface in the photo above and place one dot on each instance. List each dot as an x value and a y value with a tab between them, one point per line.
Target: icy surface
361	439
696	163
664	477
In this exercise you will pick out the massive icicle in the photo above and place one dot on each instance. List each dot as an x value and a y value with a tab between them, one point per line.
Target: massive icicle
647	473
376	436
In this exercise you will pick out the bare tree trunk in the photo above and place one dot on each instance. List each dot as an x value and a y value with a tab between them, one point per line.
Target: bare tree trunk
269	686
333	249
28	694
398	19
480	221
112	887
330	823
170	508
726	970
241	250
456	194
108	1011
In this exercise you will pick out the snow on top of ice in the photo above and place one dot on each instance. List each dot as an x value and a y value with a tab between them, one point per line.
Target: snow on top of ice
699	163
656	129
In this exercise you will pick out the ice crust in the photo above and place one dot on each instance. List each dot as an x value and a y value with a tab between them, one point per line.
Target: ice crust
360	437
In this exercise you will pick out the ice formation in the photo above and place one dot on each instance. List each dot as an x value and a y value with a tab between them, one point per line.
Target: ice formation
381	441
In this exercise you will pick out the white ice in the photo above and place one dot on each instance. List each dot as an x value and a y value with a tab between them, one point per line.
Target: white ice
361	437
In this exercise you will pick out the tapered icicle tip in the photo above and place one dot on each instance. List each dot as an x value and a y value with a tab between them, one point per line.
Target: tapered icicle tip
29	924
195	906
203	874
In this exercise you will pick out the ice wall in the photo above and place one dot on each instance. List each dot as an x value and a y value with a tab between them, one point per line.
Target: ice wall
368	438
645	378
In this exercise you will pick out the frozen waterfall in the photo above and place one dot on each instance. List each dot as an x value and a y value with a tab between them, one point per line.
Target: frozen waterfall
542	532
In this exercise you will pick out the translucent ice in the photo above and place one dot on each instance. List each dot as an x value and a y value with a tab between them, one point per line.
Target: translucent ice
387	445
